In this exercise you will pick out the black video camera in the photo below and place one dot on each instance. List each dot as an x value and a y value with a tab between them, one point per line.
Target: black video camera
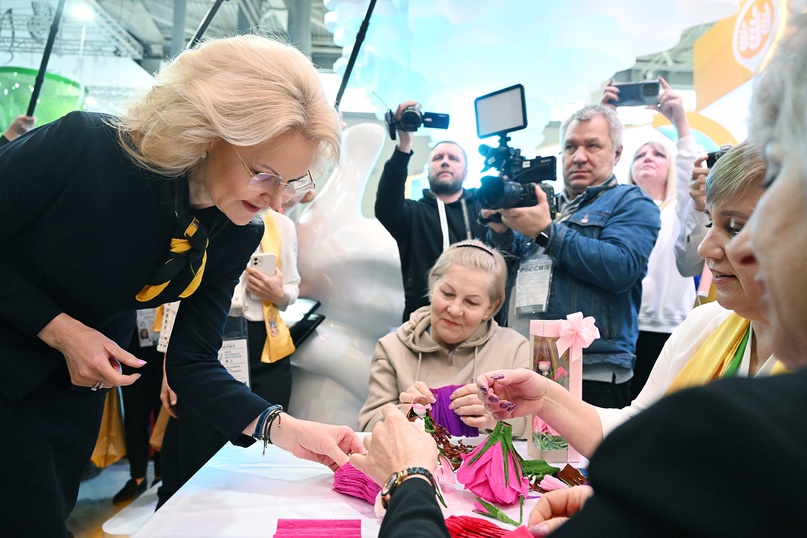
499	113
412	118
713	156
515	185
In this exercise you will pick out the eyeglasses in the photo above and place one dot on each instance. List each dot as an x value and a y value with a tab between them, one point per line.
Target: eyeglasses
291	189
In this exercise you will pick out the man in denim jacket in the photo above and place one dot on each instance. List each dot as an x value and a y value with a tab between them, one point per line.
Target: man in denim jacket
597	247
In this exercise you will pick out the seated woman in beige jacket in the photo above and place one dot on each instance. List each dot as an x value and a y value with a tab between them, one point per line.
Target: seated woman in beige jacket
449	342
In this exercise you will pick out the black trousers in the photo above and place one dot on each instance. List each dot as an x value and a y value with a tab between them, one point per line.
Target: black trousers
141	404
648	348
190	441
604	394
46	440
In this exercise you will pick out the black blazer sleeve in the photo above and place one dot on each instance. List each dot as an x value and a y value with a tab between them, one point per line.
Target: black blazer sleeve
413	511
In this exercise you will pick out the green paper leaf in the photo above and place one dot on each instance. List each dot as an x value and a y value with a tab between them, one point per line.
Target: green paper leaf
537	469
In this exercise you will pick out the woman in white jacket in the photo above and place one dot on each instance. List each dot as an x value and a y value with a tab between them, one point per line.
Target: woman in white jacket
667	296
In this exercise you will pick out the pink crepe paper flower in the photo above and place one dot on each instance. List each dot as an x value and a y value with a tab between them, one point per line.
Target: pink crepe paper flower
492	471
420	409
445	472
351	481
550	483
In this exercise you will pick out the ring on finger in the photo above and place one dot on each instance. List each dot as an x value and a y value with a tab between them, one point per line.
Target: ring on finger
98	385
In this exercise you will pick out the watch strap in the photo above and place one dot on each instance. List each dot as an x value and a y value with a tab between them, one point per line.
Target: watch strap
542	239
397	478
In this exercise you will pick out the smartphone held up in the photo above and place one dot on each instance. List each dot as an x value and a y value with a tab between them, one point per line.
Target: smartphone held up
638	93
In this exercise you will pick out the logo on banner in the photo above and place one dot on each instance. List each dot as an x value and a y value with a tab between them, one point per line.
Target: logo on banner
754	32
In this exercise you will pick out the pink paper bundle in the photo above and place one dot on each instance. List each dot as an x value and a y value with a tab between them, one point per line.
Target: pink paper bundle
443	415
337	528
474	527
351	481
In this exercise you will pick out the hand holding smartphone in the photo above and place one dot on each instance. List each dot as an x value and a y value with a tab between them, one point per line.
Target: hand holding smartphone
266	263
638	93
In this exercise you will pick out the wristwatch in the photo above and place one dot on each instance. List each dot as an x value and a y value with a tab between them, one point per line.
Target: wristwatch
542	239
396	479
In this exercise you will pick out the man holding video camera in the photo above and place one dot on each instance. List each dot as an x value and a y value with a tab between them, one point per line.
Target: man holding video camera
425	228
589	258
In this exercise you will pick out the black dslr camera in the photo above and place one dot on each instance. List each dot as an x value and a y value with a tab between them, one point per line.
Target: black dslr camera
499	113
412	118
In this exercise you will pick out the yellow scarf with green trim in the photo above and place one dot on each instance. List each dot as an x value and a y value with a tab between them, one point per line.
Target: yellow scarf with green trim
713	358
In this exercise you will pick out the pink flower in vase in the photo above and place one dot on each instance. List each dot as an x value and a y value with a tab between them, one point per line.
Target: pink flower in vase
492	471
560	374
539	425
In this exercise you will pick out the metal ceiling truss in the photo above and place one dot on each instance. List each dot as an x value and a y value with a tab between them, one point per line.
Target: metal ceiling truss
104	36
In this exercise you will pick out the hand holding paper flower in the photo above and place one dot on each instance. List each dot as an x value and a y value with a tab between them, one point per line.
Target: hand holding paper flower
512	393
492	472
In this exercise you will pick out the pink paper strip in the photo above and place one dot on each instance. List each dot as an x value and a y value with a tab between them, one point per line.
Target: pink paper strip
291	528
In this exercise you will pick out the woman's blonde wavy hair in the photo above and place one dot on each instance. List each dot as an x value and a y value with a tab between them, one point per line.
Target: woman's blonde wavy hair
244	90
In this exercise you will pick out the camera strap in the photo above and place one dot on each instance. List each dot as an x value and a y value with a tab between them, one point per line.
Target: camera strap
441	210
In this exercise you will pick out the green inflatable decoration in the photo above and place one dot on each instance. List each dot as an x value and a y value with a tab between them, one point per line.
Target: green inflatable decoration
58	96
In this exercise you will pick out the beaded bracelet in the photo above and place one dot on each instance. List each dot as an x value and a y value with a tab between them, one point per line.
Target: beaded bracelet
263	428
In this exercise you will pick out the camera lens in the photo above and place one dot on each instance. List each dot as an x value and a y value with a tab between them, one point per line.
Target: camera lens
650	89
496	193
410	119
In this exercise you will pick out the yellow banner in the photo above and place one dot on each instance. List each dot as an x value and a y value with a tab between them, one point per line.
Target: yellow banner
732	51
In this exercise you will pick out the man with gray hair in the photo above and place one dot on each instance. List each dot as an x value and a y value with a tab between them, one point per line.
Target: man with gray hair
590	257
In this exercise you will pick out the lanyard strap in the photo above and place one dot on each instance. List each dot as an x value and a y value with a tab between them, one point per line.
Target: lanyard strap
441	210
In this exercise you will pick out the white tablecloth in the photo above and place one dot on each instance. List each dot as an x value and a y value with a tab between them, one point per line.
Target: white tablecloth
241	493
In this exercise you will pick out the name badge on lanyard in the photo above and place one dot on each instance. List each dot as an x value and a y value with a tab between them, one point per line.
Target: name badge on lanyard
532	285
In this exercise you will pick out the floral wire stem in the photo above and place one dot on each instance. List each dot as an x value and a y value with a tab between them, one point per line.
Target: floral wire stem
450	451
439	492
497	513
